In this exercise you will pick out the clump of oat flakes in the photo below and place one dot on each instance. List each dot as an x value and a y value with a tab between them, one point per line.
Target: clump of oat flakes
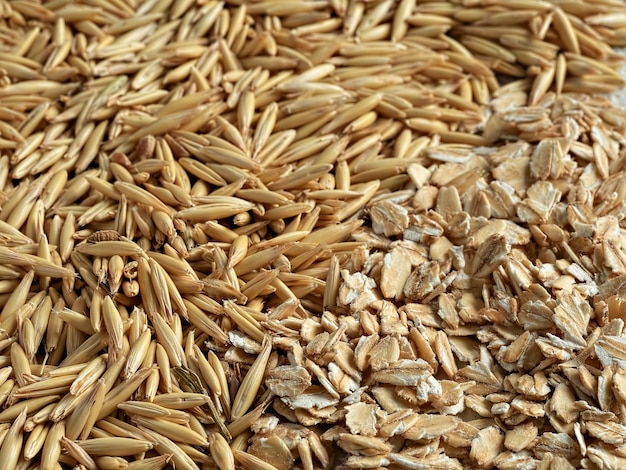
490	300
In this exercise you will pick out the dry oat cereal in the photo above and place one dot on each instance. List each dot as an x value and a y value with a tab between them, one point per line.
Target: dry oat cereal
317	234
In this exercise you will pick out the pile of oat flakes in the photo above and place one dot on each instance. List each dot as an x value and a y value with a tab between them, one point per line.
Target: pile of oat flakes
490	298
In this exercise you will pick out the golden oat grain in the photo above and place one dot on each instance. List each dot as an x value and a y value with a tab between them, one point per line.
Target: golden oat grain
122	392
12	442
221	452
112	463
119	445
78	453
165	446
150	463
35	441
52	447
251	462
247	390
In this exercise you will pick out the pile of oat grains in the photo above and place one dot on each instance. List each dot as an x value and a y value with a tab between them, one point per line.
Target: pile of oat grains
312	234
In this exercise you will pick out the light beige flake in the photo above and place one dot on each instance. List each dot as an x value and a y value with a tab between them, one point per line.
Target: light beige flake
273	450
404	373
361	419
286	381
384	353
537	207
610	349
313	397
490	255
395	271
609	432
486	446
357	290
389	218
430	427
520	437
